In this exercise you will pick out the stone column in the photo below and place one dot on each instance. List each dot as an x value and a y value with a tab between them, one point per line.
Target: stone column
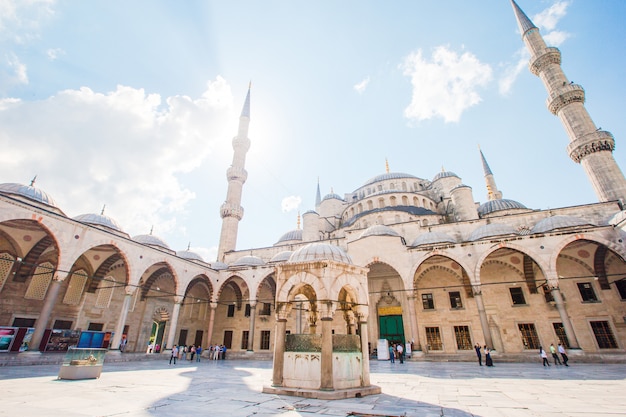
327	354
365	377
252	323
119	327
415	338
211	322
171	336
478	296
44	316
279	351
567	324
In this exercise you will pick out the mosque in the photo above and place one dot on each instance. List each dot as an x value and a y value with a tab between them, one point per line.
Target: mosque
401	259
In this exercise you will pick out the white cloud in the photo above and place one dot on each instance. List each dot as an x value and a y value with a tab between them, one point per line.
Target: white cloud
360	87
18	73
54	53
444	86
290	203
512	71
549	18
21	21
123	148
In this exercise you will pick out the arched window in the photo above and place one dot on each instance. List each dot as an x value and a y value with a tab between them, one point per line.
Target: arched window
40	281
74	291
381	203
405	200
105	292
370	205
6	265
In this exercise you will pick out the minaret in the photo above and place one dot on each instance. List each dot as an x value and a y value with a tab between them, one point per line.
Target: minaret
318	195
492	189
231	211
589	145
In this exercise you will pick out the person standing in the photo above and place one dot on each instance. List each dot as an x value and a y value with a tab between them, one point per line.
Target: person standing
174	354
223	352
392	354
488	360
544	356
561	350
478	354
216	352
198	353
554	355
400	350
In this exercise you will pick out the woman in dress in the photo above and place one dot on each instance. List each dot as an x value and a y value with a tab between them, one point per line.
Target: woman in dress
488	360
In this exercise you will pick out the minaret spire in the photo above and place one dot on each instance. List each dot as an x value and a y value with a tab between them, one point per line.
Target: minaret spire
231	211
318	195
589	145
492	189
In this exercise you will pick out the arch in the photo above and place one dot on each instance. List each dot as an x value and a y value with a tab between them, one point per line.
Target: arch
232	283
296	282
614	247
508	245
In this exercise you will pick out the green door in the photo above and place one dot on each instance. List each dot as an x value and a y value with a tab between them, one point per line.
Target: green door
391	328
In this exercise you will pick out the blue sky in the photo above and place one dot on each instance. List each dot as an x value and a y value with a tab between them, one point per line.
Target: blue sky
133	105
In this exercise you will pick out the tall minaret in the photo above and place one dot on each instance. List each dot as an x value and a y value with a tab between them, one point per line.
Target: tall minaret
231	211
492	189
590	146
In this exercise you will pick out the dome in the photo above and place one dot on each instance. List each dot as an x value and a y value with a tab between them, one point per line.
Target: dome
389	176
493	229
291	235
444	174
281	256
151	240
248	260
558	222
218	266
617	218
99	220
430	238
456	187
379	230
332	196
320	251
192	256
499	205
29	192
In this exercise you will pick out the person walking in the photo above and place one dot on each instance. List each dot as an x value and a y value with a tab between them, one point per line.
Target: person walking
193	352
400	350
561	350
174	354
478	354
392	354
554	355
488	360
544	356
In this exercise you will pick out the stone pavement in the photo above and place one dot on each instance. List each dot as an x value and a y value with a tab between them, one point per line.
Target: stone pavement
232	388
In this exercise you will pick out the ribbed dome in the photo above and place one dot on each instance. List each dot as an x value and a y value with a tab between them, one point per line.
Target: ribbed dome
281	256
499	205
291	235
320	251
493	229
444	174
218	266
248	260
389	176
431	238
185	254
558	222
379	230
151	240
456	187
332	196
28	192
99	220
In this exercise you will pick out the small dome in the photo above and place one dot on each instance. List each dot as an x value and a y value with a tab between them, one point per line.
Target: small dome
389	176
281	256
493	229
444	174
99	220
218	266
617	218
151	240
379	230
456	187
499	205
291	235
320	251
192	256
558	222
28	192
431	238
248	260
332	196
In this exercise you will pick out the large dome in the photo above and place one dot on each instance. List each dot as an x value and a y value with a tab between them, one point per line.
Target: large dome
186	254
444	174
499	205
29	192
291	235
99	220
389	176
320	251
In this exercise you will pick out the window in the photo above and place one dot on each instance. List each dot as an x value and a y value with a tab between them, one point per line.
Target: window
96	327
266	309
530	340
427	301
265	339
247	311
587	293
517	296
231	310
560	333
604	335
621	288
62	325
244	339
23	322
433	338
463	339
455	299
